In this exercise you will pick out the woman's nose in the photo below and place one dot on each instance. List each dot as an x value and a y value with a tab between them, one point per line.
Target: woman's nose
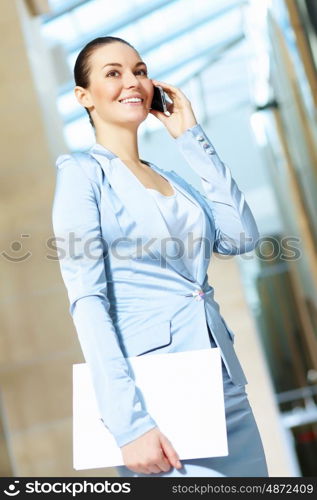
129	80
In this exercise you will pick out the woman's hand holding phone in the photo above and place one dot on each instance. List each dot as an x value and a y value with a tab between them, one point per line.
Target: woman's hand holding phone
181	116
150	453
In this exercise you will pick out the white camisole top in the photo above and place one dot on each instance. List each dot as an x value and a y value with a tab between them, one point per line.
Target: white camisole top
184	221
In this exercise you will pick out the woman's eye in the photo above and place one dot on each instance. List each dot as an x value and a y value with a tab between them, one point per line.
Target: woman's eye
111	73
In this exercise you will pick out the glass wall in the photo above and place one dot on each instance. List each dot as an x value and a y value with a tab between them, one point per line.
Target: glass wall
282	284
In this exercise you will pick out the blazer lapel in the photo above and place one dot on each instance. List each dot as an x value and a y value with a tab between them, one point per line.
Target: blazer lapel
141	207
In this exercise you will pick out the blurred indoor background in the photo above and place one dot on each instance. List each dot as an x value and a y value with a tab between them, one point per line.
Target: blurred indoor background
249	70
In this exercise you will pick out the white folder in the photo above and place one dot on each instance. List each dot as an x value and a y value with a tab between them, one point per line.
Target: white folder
183	392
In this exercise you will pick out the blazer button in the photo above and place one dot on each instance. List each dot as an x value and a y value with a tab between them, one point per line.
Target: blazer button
198	294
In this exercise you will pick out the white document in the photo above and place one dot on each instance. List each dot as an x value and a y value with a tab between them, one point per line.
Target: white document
183	392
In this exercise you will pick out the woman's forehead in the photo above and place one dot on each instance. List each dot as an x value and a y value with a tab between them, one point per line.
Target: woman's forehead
115	53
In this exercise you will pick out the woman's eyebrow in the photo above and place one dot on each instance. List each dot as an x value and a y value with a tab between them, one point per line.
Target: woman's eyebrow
140	63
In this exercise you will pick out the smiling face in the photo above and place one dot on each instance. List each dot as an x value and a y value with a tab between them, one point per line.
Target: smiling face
116	73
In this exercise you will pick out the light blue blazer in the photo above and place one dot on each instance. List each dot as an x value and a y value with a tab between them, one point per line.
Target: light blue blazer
128	296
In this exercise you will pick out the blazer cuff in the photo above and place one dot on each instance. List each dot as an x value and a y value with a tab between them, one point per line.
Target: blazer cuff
195	137
140	427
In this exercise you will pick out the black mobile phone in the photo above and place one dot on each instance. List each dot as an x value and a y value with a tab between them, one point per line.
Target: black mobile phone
159	102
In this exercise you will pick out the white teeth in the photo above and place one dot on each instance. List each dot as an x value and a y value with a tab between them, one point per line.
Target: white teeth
132	99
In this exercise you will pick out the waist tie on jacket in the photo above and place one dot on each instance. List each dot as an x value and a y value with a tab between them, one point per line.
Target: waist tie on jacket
216	329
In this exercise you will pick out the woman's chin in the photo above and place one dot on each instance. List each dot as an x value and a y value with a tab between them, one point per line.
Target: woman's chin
135	116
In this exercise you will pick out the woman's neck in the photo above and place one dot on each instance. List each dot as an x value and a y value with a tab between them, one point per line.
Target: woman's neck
121	141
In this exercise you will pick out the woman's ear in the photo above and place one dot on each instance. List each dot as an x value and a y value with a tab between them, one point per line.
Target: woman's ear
83	96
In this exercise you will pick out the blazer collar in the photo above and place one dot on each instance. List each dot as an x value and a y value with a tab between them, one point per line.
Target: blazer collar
143	209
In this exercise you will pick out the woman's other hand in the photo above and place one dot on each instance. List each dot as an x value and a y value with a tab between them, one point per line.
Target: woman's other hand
150	453
181	114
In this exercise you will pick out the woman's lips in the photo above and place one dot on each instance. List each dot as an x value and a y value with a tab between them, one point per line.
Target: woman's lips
132	103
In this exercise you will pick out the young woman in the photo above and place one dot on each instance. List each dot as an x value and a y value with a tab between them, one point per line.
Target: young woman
133	285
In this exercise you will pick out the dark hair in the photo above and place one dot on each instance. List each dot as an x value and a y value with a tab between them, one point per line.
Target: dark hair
82	68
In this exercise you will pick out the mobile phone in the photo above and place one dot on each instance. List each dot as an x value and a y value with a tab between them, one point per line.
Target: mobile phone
159	102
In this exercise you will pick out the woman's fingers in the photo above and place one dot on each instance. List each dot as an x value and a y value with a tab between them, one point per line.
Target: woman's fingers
154	469
170	452
166	86
161	461
173	92
164	463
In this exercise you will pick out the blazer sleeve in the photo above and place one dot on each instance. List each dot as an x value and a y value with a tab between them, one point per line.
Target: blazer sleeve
236	231
76	225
